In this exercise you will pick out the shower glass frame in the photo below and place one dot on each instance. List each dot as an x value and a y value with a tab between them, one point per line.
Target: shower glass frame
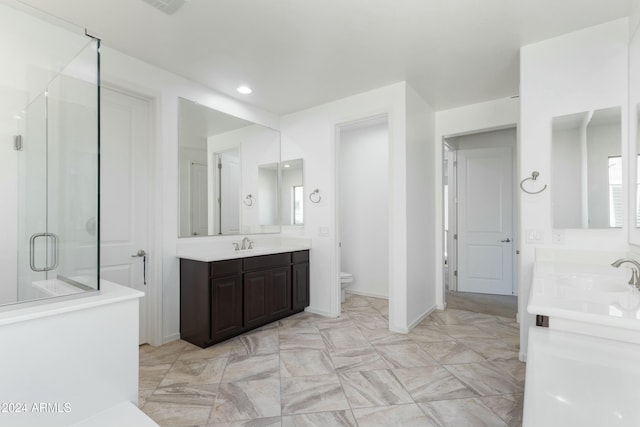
58	184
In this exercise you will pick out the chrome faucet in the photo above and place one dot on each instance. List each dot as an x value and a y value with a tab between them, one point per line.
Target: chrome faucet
244	243
635	270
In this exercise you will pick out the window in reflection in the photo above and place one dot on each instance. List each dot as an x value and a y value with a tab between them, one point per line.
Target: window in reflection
297	203
616	198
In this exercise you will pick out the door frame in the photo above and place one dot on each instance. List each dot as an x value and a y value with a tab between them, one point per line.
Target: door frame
515	206
153	292
337	294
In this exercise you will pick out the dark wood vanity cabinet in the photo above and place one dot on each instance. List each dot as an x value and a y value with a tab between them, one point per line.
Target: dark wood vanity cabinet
300	280
221	299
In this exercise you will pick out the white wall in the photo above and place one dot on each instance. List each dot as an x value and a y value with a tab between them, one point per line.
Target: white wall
490	115
164	88
364	207
580	71
422	166
311	135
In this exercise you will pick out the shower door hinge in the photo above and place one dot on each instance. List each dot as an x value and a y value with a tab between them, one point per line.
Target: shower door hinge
455	273
455	236
17	142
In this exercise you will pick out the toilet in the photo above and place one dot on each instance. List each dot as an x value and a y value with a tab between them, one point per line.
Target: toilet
345	280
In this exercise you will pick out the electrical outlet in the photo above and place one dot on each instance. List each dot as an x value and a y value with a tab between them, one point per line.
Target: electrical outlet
557	237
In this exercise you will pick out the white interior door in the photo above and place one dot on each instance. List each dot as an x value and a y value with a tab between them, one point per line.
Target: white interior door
124	193
485	220
198	198
227	192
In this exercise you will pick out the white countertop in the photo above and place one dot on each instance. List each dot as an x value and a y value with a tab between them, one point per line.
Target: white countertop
207	252
593	294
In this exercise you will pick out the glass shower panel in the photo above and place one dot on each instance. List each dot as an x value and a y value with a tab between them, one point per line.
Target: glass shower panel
73	170
32	198
58	251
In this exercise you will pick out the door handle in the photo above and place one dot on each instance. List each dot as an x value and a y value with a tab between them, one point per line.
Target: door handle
54	251
143	254
507	240
140	253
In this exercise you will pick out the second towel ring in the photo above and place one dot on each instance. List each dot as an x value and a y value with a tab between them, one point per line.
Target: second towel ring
533	177
248	201
315	197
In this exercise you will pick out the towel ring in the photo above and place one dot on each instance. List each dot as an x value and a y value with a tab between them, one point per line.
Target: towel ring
533	177
315	197
248	201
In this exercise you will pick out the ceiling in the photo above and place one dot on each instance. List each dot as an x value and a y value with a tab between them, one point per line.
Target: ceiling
300	53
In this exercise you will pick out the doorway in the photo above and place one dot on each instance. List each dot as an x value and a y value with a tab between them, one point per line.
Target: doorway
479	230
362	212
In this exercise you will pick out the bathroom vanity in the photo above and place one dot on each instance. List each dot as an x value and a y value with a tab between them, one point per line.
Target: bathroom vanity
223	298
582	367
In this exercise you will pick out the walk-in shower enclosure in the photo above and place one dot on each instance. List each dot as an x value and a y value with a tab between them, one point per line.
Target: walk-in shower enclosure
49	157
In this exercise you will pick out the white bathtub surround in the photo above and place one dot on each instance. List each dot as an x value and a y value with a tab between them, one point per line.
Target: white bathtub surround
583	369
69	360
222	247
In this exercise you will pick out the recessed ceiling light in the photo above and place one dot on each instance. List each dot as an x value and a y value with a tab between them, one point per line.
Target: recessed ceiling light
245	90
287	165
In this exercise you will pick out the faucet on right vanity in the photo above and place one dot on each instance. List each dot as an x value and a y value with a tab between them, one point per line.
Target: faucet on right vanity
635	271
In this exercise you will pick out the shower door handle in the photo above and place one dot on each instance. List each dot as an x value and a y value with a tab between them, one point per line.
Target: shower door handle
54	252
142	254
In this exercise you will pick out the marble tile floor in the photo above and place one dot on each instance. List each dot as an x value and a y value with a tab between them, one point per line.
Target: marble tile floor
457	368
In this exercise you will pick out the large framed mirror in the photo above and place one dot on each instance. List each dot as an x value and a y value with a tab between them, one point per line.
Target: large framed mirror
634	137
228	174
586	170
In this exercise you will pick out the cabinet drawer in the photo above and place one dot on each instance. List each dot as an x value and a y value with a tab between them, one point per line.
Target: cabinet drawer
226	268
267	261
300	256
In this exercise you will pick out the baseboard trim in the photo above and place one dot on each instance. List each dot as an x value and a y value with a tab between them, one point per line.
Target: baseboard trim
423	316
171	338
366	294
318	312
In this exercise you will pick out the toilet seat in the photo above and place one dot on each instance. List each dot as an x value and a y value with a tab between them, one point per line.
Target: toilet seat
346	277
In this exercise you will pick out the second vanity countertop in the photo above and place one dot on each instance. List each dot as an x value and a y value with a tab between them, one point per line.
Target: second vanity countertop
219	251
596	297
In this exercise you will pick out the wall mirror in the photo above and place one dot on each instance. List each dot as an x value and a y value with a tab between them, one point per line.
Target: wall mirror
634	140
292	192
228	174
586	170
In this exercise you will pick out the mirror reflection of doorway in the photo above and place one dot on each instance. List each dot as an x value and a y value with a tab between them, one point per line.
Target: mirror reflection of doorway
198	199
225	218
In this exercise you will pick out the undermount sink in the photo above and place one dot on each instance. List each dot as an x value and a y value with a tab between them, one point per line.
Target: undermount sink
592	300
590	283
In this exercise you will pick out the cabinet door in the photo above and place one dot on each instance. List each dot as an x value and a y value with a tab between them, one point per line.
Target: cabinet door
300	286
194	302
256	311
280	292
226	307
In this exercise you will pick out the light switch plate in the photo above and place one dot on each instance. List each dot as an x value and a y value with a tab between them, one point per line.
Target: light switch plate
534	236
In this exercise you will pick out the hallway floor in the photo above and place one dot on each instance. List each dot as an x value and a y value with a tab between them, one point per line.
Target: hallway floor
457	368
